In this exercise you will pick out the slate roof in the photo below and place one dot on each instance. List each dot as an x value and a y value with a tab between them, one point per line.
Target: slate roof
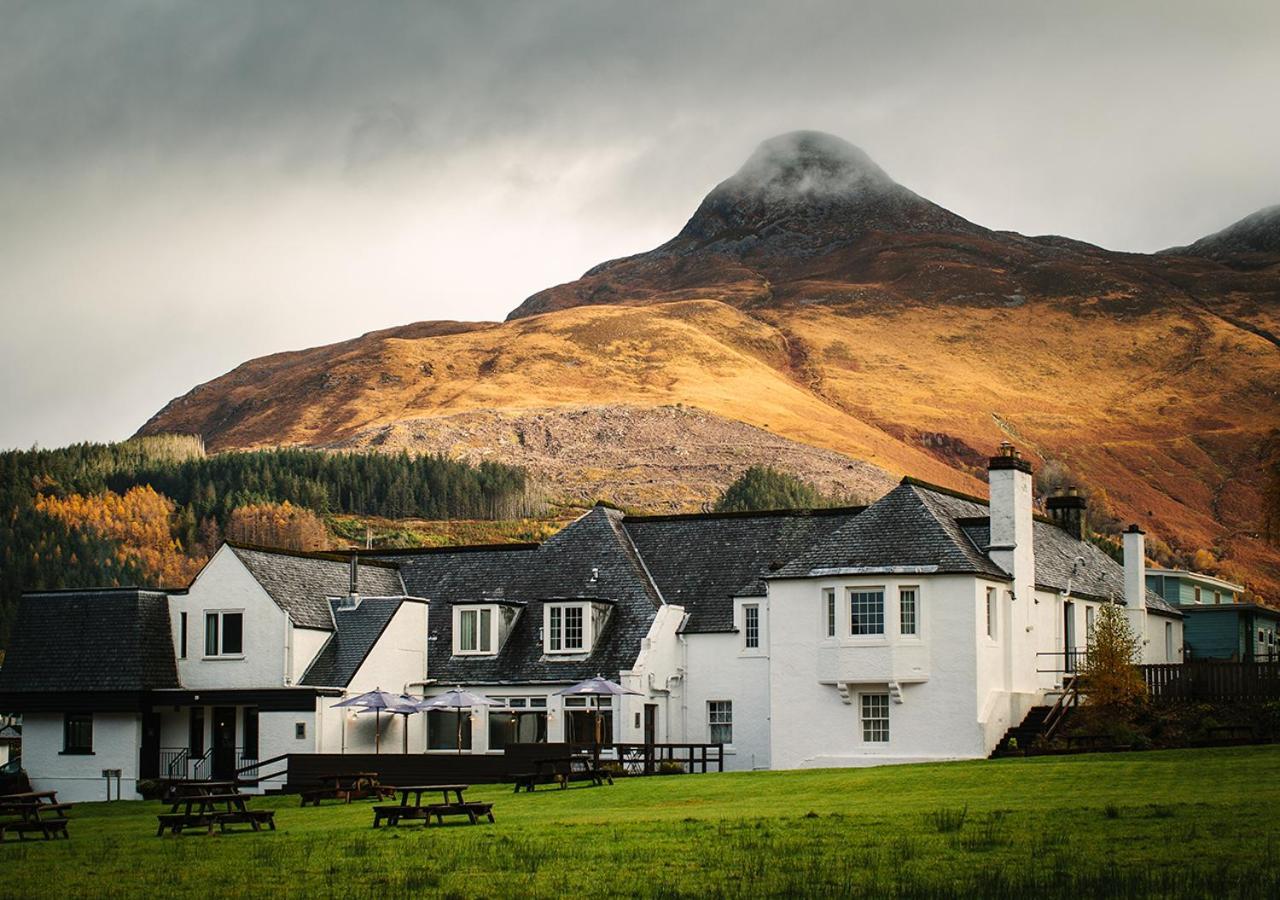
358	629
561	568
701	562
920	525
90	641
302	584
908	529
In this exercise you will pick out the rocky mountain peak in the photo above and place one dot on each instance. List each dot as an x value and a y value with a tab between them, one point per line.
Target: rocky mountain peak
803	165
1258	233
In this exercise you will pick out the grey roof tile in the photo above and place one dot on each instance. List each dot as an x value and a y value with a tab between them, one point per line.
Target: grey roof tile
302	584
89	641
358	629
701	562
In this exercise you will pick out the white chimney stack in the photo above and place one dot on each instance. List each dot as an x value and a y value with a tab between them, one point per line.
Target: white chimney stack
1135	568
1009	476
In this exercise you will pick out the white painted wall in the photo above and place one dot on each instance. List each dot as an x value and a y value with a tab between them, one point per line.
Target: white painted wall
78	777
720	669
224	583
658	674
815	723
304	644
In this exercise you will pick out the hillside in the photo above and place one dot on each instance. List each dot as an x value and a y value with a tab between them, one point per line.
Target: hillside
813	298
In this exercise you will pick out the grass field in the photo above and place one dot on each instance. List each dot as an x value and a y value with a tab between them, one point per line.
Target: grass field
1172	823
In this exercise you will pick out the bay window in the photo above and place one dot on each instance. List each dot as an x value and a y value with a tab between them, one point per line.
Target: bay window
866	611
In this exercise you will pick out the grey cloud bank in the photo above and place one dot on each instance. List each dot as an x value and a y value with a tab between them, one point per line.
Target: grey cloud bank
186	186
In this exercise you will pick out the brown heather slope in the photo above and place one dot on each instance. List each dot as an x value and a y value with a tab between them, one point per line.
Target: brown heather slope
813	297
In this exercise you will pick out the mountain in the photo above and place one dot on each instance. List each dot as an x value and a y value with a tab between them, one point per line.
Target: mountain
814	308
1255	237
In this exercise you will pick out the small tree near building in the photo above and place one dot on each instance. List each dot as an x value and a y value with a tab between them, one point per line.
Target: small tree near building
1111	681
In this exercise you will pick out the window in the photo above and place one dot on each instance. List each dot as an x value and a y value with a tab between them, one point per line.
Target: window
522	721
580	720
907	611
991	613
445	726
829	601
720	721
866	612
751	626
566	628
77	733
182	635
223	633
1089	615
875	718
474	630
1197	590
1168	641
1217	597
300	731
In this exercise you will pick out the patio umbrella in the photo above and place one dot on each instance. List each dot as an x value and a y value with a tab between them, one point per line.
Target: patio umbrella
408	706
457	700
597	687
377	700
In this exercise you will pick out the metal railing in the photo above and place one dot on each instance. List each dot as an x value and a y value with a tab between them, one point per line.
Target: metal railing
174	763
202	768
1061	662
1069	699
648	759
246	765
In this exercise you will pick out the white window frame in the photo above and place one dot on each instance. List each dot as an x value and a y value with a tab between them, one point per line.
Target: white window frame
916	621
478	609
869	725
747	626
554	637
849	607
221	614
992	613
1090	622
830	613
719	715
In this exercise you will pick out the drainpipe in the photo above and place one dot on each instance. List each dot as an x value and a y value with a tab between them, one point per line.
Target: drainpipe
684	689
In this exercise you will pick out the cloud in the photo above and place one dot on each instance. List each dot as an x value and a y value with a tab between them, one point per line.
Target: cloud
187	185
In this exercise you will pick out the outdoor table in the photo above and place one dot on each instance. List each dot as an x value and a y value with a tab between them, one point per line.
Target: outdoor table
347	785
34	811
207	808
425	811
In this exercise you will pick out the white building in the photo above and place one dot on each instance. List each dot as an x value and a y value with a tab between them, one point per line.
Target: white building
921	627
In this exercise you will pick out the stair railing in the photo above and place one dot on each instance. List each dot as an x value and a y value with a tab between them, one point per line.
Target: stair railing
200	771
1069	699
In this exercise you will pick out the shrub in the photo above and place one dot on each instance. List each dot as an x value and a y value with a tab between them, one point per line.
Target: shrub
670	767
1111	811
1114	686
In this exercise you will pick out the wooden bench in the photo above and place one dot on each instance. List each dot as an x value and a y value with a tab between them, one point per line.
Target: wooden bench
562	771
354	786
393	814
50	828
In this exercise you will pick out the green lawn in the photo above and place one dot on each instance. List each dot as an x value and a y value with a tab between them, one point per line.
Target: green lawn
1172	823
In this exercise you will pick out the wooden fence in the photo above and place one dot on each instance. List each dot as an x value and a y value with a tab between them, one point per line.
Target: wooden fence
1213	681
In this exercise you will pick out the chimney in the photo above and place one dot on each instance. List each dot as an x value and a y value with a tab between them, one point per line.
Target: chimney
1135	568
1070	512
353	590
1009	476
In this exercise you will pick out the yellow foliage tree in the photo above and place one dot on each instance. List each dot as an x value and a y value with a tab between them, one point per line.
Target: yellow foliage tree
139	521
277	525
1112	684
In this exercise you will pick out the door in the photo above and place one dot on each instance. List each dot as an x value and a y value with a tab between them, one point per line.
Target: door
224	743
650	723
1069	637
149	759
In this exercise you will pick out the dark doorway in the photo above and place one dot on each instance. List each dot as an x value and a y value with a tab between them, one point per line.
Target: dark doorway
1069	637
650	723
224	743
149	761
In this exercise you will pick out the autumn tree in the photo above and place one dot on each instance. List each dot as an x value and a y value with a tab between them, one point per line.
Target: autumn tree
1111	681
277	525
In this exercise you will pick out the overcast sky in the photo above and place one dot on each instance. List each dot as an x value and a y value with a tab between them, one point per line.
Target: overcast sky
184	186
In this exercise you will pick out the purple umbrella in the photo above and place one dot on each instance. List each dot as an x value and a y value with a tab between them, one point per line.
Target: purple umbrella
457	700
377	701
597	687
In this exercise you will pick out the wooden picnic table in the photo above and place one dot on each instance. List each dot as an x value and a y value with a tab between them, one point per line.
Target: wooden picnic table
213	803
31	811
348	786
426	811
561	770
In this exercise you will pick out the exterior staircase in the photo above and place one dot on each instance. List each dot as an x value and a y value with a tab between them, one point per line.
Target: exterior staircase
1031	727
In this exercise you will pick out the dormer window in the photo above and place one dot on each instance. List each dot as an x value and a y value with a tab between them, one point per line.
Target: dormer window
480	630
572	627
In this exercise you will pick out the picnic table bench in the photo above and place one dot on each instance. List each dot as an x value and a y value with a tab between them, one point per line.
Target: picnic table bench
561	770
347	786
211	804
393	813
32	811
